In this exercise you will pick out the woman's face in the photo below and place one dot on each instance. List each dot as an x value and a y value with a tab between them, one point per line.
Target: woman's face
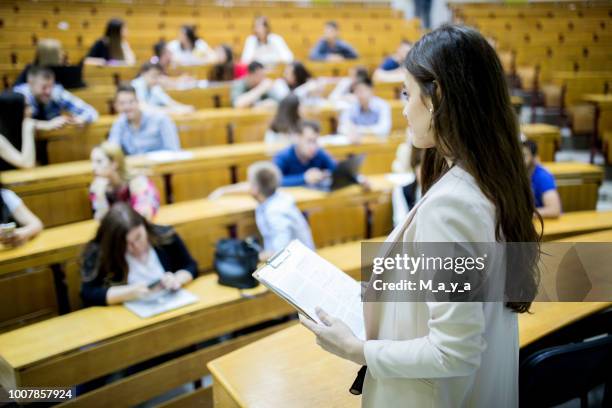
260	29
124	32
102	165
289	75
137	241
417	112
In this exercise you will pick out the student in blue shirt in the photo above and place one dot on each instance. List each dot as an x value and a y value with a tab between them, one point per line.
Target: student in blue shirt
547	200
305	162
331	47
391	68
138	131
368	115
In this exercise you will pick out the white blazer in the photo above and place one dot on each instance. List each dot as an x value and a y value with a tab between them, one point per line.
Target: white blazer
443	354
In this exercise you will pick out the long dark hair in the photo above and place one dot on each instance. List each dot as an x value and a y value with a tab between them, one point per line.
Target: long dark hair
301	74
12	109
110	244
224	71
287	118
475	125
190	33
112	36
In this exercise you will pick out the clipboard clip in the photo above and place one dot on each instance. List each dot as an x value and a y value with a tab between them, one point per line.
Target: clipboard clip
277	259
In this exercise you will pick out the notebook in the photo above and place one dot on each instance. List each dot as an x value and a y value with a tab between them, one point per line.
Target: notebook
305	280
160	302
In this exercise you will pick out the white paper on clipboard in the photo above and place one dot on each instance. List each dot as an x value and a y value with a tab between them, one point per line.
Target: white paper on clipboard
305	280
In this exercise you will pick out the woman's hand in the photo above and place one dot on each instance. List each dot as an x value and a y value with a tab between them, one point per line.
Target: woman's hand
336	337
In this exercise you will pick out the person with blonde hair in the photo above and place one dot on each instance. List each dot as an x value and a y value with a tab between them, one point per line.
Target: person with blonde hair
113	182
50	54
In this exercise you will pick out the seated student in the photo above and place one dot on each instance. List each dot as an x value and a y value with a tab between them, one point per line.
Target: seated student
49	100
254	89
138	131
305	162
113	183
151	94
264	46
343	92
188	49
49	53
17	147
128	254
391	69
278	219
225	68
298	80
286	122
368	115
331	47
113	47
547	200
13	210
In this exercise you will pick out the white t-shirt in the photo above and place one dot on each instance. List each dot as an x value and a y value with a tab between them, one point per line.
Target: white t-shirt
11	200
188	57
274	51
147	272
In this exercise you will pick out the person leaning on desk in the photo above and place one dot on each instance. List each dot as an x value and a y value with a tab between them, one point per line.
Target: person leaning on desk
451	354
130	258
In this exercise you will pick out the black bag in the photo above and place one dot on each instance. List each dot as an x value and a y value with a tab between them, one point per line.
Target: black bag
235	261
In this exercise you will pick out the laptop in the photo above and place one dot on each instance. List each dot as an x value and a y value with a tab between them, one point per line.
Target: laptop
344	174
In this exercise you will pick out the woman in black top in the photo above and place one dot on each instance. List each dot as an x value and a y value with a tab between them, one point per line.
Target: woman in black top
128	254
112	47
17	147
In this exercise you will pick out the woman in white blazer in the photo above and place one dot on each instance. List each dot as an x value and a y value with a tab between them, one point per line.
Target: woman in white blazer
452	354
264	46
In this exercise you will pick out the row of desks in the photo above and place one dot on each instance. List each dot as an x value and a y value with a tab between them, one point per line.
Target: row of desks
288	368
199	129
58	193
42	277
92	342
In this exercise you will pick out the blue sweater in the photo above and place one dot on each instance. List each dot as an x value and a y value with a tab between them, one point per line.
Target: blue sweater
293	169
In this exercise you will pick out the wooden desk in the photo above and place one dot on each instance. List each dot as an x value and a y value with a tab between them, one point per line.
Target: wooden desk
289	369
577	223
547	137
578	184
45	271
602	124
86	344
101	97
58	193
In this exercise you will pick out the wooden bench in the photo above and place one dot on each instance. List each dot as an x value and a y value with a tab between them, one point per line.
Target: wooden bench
39	272
201	128
58	193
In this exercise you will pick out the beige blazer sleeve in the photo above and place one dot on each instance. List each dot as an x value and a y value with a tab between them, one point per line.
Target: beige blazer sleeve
454	344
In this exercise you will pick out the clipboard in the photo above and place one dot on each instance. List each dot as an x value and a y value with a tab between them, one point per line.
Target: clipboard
305	280
275	261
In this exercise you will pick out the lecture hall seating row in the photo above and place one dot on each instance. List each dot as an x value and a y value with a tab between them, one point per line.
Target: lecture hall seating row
37	356
33	276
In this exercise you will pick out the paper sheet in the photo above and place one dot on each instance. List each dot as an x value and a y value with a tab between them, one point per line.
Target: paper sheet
161	302
306	280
